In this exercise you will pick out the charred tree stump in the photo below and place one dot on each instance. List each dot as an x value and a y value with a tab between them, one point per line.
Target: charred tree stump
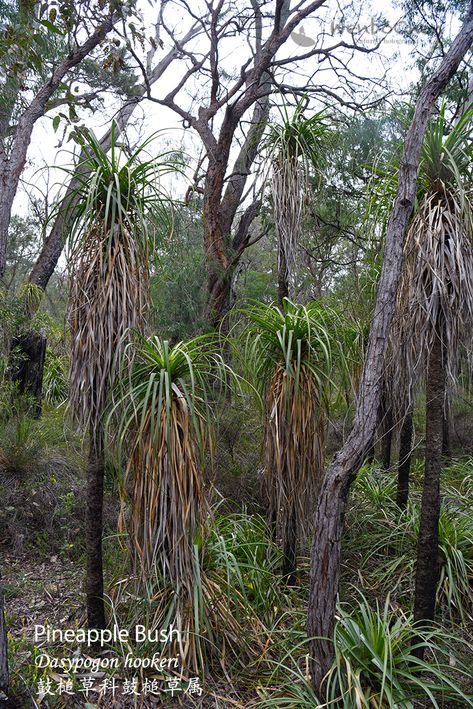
27	356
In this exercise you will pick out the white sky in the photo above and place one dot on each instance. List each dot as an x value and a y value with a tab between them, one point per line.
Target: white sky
44	147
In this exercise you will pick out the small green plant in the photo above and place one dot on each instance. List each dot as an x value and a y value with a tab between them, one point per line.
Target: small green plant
375	665
55	380
387	540
22	441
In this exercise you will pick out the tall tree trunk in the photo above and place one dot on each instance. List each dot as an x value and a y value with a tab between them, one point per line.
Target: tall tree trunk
405	456
221	252
219	293
4	677
446	447
427	565
94	529
328	523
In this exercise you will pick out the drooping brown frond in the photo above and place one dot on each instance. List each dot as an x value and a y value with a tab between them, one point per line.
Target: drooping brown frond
168	502
289	188
437	279
109	286
294	441
168	507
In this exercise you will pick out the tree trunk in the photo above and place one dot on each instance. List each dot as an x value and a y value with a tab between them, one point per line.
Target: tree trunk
219	292
404	464
325	558
446	447
4	678
11	166
290	550
94	521
283	285
427	566
27	356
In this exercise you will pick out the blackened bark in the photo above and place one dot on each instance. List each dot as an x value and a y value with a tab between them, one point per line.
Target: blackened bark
427	566
27	356
283	285
446	448
290	550
405	457
94	521
4	676
328	523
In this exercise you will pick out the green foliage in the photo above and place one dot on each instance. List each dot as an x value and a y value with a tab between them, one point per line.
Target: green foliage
298	336
237	595
55	378
445	164
296	136
121	190
376	662
240	545
161	372
24	441
387	548
447	156
375	665
111	242
21	444
177	282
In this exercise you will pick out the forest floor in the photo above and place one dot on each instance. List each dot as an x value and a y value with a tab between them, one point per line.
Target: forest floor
41	525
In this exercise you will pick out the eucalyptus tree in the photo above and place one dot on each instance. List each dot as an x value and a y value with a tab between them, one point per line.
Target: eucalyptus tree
38	52
233	107
325	560
109	254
